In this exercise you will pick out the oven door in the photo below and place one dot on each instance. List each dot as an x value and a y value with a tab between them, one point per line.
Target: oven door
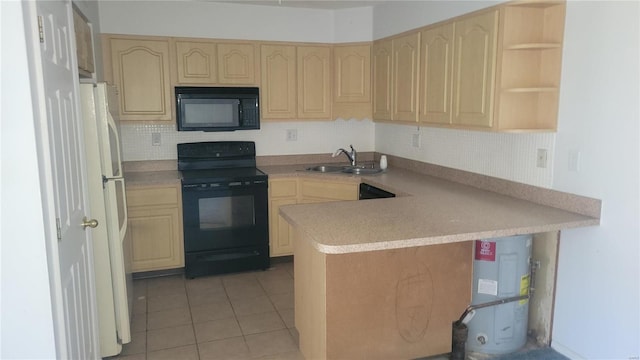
225	216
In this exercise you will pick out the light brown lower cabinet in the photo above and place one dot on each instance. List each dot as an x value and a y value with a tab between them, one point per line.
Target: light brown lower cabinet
281	192
155	227
288	191
317	190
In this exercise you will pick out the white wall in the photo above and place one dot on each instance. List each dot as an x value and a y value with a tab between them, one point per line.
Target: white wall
26	323
393	17
352	25
597	312
215	20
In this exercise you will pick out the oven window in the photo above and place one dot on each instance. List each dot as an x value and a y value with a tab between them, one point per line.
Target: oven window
226	212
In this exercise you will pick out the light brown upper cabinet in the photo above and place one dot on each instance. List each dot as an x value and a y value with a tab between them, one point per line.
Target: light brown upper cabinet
237	63
395	78
406	59
497	70
530	61
196	62
474	69
140	68
84	44
436	45
296	82
278	90
314	82
352	81
382	55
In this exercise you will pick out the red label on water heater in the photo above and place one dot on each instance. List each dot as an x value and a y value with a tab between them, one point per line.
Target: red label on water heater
485	250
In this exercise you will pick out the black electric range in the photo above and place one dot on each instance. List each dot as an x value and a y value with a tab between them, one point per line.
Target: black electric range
225	208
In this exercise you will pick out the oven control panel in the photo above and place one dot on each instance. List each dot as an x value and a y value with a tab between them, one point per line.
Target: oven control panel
216	149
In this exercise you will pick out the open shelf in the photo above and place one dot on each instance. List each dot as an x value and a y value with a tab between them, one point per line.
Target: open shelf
533	46
530	90
528	110
529	26
530	61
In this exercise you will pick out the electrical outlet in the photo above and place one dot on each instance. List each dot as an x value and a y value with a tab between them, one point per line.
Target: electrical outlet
415	140
156	139
292	134
541	159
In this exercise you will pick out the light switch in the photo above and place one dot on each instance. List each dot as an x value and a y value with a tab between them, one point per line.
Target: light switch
574	160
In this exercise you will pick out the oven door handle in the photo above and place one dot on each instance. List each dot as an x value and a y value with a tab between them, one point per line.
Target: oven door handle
216	187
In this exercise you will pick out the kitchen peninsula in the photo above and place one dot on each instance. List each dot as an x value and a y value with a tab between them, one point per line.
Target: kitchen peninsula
385	278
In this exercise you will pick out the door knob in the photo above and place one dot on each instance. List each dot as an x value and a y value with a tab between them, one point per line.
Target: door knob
89	223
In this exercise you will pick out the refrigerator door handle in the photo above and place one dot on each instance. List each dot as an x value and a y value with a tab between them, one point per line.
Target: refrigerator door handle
105	179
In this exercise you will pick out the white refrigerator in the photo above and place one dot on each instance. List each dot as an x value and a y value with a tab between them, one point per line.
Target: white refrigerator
114	285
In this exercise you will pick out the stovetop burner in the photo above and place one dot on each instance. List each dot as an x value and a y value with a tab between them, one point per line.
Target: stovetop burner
218	161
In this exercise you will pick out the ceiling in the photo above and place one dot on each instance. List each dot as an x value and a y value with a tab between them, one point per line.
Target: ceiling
309	4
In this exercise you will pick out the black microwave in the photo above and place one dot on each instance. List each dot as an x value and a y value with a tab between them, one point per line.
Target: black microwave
217	108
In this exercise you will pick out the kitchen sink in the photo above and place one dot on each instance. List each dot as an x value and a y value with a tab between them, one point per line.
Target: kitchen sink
362	171
327	168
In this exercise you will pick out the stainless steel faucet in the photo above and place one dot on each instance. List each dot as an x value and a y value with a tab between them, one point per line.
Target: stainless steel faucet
352	155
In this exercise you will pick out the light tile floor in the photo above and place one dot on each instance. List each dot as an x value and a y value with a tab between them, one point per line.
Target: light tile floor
238	316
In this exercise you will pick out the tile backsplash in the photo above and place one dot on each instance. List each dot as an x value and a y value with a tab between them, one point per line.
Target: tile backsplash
313	137
503	155
507	156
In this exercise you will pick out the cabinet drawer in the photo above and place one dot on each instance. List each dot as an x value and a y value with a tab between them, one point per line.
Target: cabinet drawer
328	190
283	188
153	196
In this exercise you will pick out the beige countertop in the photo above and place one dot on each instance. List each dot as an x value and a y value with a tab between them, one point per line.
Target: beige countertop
434	205
433	211
152	178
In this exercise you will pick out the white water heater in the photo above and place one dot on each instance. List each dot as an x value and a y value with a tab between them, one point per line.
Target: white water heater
500	270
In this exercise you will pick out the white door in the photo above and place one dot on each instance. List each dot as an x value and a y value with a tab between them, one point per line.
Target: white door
53	65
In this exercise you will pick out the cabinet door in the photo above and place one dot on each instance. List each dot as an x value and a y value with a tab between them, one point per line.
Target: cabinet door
141	72
436	62
314	82
196	62
84	44
281	240
237	63
281	192
278	90
474	70
324	191
406	53
156	238
155	227
352	81
352	73
382	80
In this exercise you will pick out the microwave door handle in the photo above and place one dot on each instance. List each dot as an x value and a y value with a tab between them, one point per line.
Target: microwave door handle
239	113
